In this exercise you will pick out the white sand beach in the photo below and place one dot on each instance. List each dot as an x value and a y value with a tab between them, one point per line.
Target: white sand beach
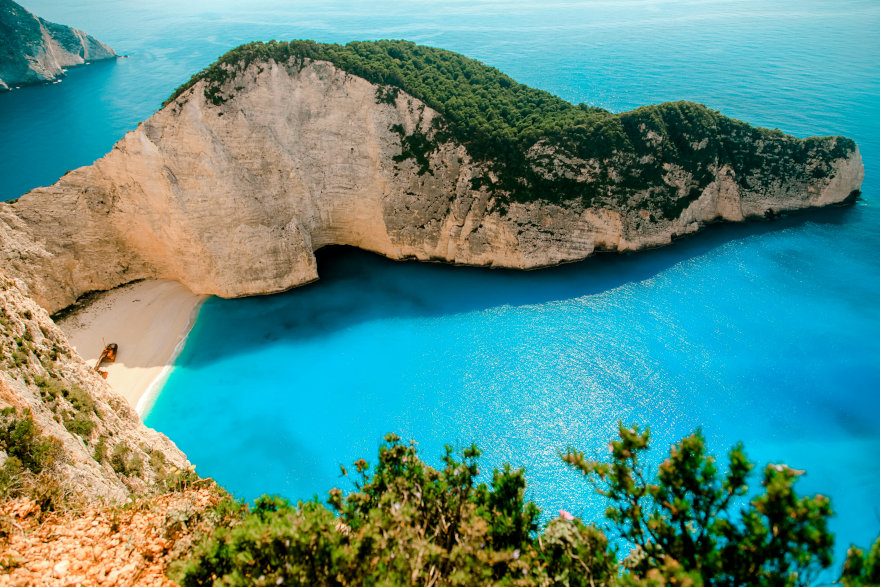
149	320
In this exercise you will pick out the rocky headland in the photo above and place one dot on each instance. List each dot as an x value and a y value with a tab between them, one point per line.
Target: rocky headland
36	50
278	150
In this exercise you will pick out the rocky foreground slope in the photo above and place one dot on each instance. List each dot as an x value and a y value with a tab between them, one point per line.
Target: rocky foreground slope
33	50
64	434
279	150
88	494
102	545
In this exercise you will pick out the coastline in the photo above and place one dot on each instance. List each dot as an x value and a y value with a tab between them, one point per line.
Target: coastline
150	321
151	393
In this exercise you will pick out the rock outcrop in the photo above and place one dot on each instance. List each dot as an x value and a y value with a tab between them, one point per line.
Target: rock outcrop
35	50
100	449
101	546
232	187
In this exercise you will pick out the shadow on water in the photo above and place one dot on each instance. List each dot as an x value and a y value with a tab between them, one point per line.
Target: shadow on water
356	287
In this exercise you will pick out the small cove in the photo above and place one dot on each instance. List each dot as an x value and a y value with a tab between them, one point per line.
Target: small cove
526	364
762	333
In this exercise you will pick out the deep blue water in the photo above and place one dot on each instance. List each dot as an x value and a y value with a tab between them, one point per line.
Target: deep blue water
765	333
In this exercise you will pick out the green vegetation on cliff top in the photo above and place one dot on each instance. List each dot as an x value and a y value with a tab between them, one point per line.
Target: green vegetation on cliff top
499	121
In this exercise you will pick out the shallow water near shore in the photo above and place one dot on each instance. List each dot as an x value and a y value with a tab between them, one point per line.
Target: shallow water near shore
761	333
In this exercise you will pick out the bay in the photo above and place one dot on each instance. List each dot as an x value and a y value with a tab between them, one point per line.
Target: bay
764	333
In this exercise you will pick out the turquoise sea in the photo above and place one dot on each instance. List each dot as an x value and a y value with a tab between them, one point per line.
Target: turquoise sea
765	333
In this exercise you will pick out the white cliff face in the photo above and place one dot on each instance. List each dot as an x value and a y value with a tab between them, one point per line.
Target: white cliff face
234	199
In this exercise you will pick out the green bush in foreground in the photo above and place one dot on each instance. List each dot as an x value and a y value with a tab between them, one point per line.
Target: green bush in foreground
691	514
407	523
861	569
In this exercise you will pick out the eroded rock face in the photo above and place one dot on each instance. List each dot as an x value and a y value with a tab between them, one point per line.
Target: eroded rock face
233	198
42	376
36	50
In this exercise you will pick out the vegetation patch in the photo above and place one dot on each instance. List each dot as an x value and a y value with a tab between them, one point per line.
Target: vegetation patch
100	451
125	461
21	439
31	457
71	404
417	146
406	523
387	95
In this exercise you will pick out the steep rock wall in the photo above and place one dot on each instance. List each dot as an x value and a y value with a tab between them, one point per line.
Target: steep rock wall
232	196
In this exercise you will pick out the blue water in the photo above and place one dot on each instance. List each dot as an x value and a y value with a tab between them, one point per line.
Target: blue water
765	333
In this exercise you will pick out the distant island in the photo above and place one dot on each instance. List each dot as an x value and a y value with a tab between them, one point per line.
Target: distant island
33	50
412	152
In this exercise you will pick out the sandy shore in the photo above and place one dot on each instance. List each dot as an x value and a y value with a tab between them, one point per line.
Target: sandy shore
149	321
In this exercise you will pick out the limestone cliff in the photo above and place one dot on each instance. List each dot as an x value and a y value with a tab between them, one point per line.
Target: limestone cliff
233	185
33	50
59	414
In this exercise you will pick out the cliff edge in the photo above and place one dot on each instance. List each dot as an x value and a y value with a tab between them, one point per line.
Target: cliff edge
278	150
36	50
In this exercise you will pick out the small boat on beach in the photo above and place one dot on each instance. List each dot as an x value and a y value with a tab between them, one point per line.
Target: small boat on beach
108	355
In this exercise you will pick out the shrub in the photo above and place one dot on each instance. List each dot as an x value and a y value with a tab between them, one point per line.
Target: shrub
50	388
79	399
178	479
576	554
10	476
407	523
123	462
100	453
691	514
862	569
80	424
135	466
30	465
19	357
20	438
